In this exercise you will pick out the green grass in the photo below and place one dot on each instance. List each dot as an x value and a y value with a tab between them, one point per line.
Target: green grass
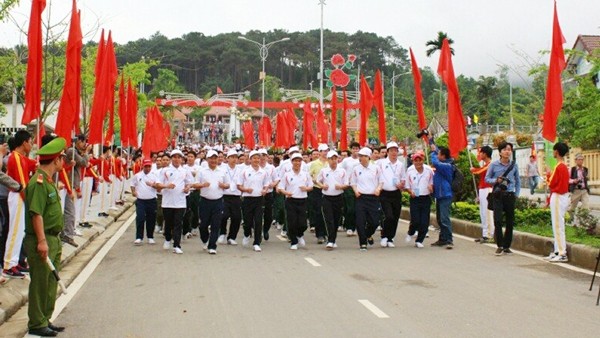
573	235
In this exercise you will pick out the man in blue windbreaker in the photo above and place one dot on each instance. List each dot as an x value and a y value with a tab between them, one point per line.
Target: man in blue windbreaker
442	191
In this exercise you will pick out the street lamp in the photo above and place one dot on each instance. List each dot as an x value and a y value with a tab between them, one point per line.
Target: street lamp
393	82
264	52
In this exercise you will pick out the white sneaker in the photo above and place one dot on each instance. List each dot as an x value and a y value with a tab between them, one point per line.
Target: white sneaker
312	229
408	238
246	241
349	233
195	232
157	229
378	228
278	226
177	251
294	247
419	245
559	259
137	242
204	246
384	242
188	235
391	244
212	251
167	245
284	234
257	248
340	229
301	241
78	233
329	246
222	239
231	242
550	257
151	241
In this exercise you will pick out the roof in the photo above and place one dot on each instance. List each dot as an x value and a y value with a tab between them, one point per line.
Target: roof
589	43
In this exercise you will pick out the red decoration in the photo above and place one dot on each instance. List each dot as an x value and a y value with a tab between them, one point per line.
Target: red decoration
339	78
337	60
33	82
418	93
351	58
379	106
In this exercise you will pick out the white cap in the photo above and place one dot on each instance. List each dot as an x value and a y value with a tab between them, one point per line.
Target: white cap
332	153
323	147
292	149
232	152
206	147
176	152
295	156
263	151
365	152
254	152
392	145
211	153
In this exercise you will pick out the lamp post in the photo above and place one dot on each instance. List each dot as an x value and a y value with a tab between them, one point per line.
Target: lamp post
393	83
322	4
264	52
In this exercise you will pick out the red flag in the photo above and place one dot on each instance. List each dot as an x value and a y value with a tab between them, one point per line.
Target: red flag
282	134
416	73
122	111
457	134
219	90
67	120
322	129
554	94
97	110
344	131
333	115
366	104
265	131
292	122
380	106
33	81
308	120
248	130
132	109
152	139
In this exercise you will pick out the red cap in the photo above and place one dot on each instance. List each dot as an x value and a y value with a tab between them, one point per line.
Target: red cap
146	162
417	154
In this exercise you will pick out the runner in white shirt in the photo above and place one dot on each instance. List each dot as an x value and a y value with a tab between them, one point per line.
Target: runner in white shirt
232	202
190	222
419	184
142	187
393	176
348	164
268	203
333	180
295	185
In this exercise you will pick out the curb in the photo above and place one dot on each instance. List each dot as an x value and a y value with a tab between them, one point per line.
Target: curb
14	293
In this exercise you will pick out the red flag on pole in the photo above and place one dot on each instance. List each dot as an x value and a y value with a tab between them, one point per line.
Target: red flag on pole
457	133
67	120
366	104
282	133
309	136
152	139
322	129
33	80
333	115
292	122
132	109
416	73
248	130
265	131
122	111
554	94
344	131
379	106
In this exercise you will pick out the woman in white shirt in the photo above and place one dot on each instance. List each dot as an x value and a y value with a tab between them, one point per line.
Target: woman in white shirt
419	184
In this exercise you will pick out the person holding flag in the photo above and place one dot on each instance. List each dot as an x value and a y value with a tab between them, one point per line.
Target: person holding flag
486	215
559	202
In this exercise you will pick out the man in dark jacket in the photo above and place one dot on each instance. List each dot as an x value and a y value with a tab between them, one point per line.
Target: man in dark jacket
578	185
442	191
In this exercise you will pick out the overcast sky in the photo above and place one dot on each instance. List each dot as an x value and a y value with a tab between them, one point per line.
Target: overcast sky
485	32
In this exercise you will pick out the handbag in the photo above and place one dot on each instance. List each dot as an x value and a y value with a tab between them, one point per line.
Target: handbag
492	195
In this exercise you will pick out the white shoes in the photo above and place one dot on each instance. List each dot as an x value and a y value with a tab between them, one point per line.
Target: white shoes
151	241
330	246
294	247
257	248
204	246
158	229
384	242
167	245
231	242
391	244
419	245
212	251
195	232
177	251
340	229
349	233
301	241
222	239
278	226
284	234
137	242
246	241
559	259
78	233
188	235
408	238
550	257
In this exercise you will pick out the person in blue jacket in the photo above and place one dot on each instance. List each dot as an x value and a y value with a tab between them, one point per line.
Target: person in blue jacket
442	192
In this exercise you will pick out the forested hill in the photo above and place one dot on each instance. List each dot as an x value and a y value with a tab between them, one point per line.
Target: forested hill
203	62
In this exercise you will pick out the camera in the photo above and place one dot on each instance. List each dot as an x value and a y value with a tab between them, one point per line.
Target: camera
579	186
422	133
503	185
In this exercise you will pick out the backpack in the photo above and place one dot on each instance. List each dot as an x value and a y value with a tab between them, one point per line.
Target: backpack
457	180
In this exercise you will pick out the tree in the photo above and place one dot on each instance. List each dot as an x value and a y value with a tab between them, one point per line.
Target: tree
166	81
435	45
5	6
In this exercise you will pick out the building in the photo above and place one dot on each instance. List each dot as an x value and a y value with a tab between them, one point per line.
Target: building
577	64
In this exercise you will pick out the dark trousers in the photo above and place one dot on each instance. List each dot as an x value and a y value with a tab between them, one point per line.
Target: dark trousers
296	218
368	213
211	215
391	203
191	212
268	212
173	223
315	205
23	254
253	209
232	209
145	216
420	214
349	211
160	220
332	210
504	215
279	208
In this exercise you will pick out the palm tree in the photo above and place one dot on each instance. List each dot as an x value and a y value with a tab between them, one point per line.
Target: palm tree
435	45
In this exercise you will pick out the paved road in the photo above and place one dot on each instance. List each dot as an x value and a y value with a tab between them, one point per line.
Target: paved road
432	292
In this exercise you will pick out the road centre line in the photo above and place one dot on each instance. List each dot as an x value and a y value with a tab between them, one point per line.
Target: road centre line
312	261
85	274
374	309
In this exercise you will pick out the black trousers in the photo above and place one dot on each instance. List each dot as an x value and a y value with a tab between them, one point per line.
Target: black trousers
332	210
296	218
349	209
232	209
504	215
420	214
173	222
391	203
211	215
253	213
368	213
268	211
315	213
145	217
191	212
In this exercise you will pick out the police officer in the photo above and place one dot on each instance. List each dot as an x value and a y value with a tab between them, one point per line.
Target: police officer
43	223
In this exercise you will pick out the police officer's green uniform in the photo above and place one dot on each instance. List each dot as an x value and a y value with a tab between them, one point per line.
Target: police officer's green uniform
41	198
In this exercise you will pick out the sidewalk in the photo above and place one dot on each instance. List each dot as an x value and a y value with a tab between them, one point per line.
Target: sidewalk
14	293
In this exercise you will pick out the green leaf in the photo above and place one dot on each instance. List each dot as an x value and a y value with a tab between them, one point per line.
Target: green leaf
347	65
329	83
328	72
352	77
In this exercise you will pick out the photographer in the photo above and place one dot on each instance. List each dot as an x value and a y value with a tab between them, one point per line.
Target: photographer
578	186
504	175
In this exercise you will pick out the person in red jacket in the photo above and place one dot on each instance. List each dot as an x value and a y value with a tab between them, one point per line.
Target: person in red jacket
559	202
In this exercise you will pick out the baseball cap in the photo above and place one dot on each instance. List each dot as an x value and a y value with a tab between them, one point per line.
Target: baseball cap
392	145
323	147
295	156
263	151
211	153
176	152
254	152
293	149
232	152
146	162
418	154
332	153
365	152
579	156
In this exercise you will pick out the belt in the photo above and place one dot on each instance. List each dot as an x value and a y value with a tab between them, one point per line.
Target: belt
296	199
368	195
211	200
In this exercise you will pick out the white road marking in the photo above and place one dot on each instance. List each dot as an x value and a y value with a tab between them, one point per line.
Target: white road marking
371	307
85	274
312	261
